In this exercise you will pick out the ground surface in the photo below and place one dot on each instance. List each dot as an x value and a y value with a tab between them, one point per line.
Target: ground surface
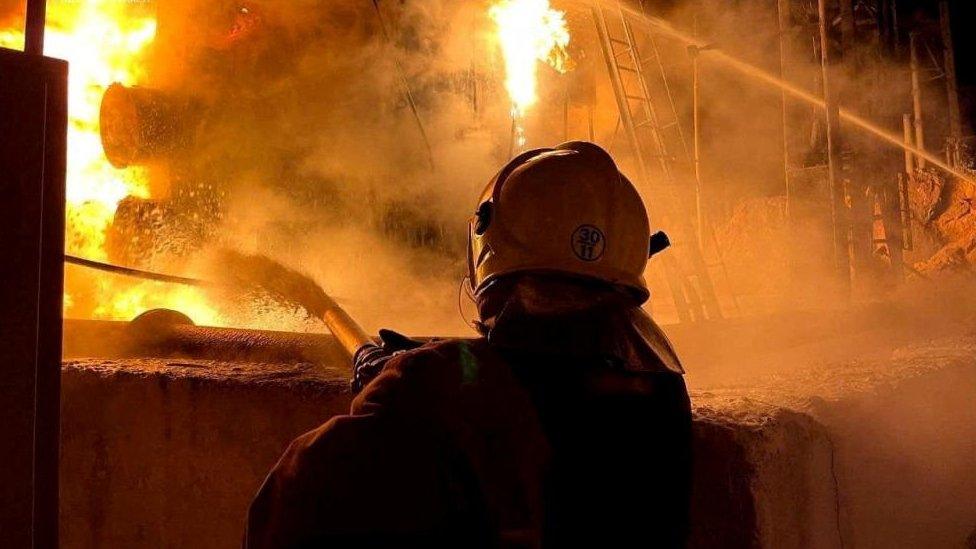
895	390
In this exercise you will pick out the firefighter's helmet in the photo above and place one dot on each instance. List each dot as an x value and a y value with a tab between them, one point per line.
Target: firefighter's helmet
565	210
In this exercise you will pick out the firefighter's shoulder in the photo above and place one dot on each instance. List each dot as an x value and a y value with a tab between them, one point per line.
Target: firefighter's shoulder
428	376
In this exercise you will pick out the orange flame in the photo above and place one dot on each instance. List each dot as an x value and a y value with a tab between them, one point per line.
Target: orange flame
529	32
103	42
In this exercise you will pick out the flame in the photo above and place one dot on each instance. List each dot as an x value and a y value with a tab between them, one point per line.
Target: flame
529	32
103	42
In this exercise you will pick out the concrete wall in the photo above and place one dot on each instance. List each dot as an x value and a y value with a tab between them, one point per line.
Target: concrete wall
167	453
906	457
159	453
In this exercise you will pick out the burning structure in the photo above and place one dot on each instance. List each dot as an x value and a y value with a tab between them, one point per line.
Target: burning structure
202	105
802	156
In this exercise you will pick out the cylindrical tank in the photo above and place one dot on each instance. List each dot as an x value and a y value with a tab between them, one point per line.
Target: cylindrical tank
139	124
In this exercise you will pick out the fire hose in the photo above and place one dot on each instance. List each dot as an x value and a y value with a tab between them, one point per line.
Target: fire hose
271	276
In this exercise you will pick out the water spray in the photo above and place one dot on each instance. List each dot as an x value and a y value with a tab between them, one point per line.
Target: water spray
708	51
269	275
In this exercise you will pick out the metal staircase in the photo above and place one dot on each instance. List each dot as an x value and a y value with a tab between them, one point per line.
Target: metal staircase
652	126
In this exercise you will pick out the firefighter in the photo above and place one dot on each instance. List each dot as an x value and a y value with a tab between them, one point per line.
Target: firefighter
566	424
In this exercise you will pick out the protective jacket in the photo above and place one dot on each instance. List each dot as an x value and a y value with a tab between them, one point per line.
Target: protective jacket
570	432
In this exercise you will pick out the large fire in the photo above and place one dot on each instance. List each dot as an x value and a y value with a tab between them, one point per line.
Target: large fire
529	32
103	42
107	41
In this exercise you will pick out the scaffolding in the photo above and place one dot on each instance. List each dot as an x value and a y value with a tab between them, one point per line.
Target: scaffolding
653	129
854	36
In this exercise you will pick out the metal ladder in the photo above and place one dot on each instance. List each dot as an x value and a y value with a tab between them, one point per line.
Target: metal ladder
650	120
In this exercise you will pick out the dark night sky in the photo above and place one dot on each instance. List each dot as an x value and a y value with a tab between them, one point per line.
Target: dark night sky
963	14
963	17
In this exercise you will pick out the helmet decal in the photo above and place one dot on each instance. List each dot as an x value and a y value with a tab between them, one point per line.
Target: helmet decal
588	242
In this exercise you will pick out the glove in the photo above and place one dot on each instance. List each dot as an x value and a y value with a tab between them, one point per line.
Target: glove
370	358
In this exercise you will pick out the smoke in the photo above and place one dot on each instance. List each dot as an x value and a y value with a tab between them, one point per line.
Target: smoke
778	250
348	142
300	144
12	13
298	140
887	370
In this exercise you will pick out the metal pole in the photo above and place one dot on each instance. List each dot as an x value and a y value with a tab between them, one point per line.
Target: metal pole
785	24
34	33
893	218
906	123
884	27
894	25
903	182
847	23
696	115
955	117
565	108
917	98
834	166
908	243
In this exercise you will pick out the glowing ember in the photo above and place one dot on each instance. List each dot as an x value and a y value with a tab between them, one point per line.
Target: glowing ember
529	32
103	42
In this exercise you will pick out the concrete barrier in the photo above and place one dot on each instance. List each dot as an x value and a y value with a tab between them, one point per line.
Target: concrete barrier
168	453
849	432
